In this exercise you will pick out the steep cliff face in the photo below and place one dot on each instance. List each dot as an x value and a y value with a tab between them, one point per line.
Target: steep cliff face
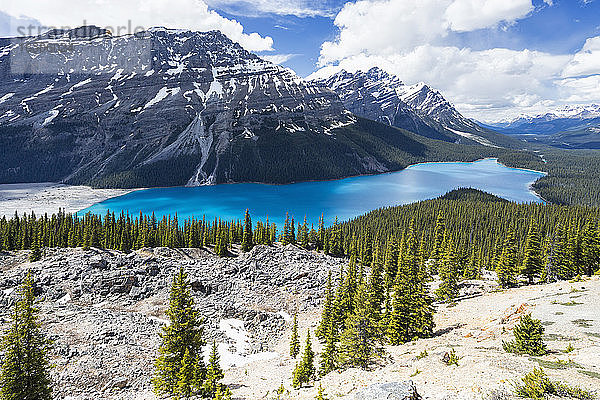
383	97
157	108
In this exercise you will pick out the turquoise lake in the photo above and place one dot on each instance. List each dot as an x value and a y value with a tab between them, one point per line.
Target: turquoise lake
345	198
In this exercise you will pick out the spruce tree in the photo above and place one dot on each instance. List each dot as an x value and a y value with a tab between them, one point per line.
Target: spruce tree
532	263
335	241
590	249
329	355
321	394
247	241
294	340
187	378
448	272
222	393
36	253
178	374
376	286
528	337
360	342
305	370
327	314
25	367
391	261
439	235
214	373
507	265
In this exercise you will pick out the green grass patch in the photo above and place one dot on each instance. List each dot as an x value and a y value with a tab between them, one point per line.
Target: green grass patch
560	364
558	336
568	303
582	323
589	373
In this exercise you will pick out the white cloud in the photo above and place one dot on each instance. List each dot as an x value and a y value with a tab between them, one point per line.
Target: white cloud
409	38
278	58
299	8
391	26
483	84
469	15
586	61
182	14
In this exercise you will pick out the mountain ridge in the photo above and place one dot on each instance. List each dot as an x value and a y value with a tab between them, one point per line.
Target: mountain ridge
169	107
378	95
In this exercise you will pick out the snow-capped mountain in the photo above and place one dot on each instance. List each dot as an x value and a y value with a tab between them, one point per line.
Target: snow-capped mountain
383	97
564	119
161	107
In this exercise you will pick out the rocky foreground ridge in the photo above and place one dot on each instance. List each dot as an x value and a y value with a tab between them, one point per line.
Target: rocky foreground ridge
104	309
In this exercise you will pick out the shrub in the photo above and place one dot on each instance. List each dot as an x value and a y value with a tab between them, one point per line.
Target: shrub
536	385
528	338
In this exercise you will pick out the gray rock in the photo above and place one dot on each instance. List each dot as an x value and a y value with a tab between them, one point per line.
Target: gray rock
390	391
105	322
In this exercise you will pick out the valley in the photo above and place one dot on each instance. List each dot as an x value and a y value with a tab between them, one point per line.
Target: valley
183	216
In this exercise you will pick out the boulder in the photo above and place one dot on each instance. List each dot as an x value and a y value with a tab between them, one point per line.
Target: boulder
390	391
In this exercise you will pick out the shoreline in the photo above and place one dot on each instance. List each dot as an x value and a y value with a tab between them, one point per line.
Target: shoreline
49	197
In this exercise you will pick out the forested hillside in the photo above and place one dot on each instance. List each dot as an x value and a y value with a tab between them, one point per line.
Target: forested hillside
573	175
478	230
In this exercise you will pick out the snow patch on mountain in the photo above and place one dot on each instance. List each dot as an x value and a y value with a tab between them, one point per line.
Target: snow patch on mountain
6	97
162	94
475	138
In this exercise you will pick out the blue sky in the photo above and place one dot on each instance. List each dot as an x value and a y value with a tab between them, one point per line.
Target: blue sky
557	29
494	59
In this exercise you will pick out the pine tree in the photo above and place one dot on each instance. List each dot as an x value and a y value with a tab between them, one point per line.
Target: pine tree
183	335
36	253
532	263
439	235
247	241
329	355
214	373
222	393
335	241
448	271
328	310
305	370
528	337
25	367
295	341
360	343
507	264
376	286
187	378
344	303
321	234
590	249
391	262
321	394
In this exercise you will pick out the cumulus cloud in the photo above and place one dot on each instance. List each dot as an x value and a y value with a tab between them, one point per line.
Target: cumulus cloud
391	26
586	61
469	15
409	38
183	14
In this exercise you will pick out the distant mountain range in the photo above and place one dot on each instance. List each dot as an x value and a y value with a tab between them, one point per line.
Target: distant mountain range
567	127
170	107
383	97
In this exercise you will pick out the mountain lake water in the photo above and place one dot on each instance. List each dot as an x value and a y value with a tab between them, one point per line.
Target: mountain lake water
344	198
